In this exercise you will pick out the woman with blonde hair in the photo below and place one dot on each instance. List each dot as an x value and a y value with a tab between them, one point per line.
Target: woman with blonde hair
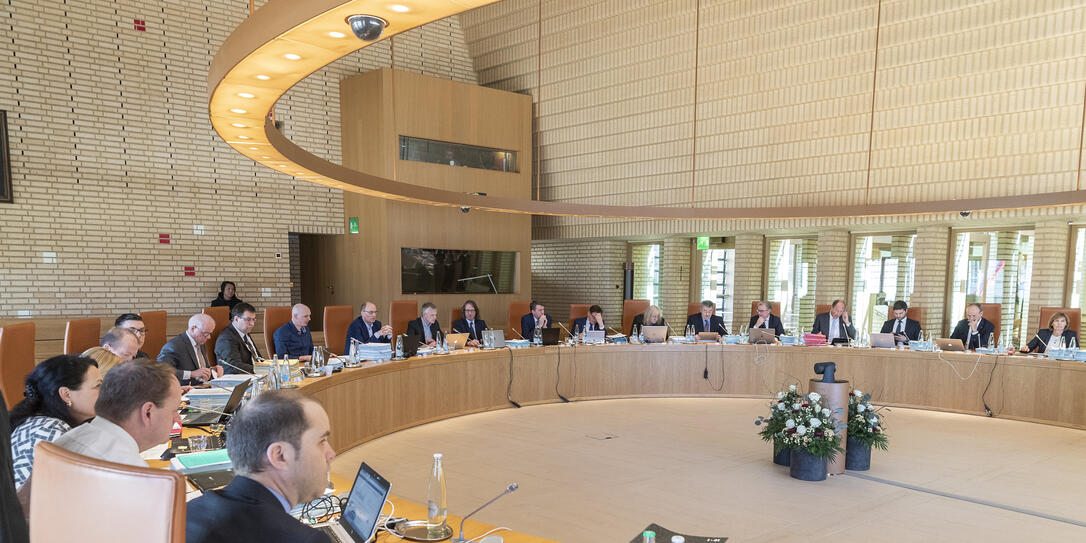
651	317
1050	338
104	358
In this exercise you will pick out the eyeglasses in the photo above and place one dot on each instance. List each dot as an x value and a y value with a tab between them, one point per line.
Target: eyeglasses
249	319
138	331
374	312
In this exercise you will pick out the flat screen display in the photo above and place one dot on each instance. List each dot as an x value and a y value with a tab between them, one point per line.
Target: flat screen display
448	271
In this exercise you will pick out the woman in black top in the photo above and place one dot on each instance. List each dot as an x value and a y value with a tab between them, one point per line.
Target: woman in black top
227	295
1057	328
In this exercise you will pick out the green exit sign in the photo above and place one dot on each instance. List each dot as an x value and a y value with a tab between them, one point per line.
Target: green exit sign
353	225
703	243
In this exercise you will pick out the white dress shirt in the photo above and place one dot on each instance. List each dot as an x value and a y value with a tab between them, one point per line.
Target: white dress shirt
103	440
831	334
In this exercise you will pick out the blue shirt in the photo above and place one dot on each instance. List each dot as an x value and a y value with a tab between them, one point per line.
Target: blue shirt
293	342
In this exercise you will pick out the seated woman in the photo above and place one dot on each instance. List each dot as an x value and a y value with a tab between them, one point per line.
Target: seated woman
60	394
1050	338
651	317
228	295
105	359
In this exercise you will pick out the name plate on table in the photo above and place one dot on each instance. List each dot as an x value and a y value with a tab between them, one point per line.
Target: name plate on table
789	340
733	339
987	350
517	343
921	346
617	338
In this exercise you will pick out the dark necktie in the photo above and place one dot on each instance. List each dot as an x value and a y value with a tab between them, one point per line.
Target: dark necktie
705	326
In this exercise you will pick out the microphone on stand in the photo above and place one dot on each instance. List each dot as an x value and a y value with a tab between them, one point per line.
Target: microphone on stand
722	329
566	329
516	332
225	363
460	539
615	331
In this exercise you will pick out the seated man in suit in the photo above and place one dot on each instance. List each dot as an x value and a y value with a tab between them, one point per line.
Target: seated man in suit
707	321
293	338
134	323
536	318
367	329
766	319
426	326
835	324
470	324
187	354
591	323
235	346
121	342
279	448
974	329
903	328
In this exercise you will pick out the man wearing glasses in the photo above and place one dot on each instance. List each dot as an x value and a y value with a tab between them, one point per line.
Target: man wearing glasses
134	323
235	346
367	329
187	352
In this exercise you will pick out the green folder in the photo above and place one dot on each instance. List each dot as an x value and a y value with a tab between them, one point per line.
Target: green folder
203	459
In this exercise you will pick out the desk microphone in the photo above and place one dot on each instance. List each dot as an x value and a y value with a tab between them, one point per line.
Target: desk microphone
670	328
516	332
509	489
722	329
566	329
615	331
225	363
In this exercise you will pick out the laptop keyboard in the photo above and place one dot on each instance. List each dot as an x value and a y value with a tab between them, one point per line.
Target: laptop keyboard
331	534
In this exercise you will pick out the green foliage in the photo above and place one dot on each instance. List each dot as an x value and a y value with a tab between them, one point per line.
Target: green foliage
800	422
866	423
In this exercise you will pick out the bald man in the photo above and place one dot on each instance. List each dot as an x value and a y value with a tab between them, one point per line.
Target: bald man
187	352
293	338
121	342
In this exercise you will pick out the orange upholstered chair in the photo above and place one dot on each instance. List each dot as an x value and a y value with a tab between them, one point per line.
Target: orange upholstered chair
65	483
456	314
221	315
337	318
516	311
822	308
915	313
1074	317
16	360
631	309
81	334
155	323
577	311
692	308
401	312
994	314
774	308
274	317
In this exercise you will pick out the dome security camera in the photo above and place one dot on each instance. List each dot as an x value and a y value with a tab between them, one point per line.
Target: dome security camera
965	213
465	209
367	27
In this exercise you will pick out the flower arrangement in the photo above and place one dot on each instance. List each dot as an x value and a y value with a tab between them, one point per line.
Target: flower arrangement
801	423
865	424
773	425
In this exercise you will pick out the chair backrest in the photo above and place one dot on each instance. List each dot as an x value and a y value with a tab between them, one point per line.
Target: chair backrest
1074	316
155	323
915	313
274	317
70	500
774	308
516	311
631	309
456	314
693	307
822	308
994	314
221	314
81	334
577	311
16	360
337	318
401	312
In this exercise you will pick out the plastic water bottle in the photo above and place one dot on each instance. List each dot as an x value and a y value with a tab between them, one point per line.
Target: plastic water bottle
399	347
641	334
537	336
435	500
991	340
274	372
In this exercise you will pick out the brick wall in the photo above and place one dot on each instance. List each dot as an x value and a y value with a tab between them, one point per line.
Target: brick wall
1050	253
675	278
832	275
568	272
749	281
932	274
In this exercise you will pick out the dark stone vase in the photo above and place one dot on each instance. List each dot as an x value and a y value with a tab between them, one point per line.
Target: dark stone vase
782	458
857	455
807	467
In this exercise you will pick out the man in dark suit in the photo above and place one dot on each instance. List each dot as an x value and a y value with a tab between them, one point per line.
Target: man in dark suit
187	354
235	345
903	328
367	329
766	319
591	323
536	318
281	456
707	320
426	326
835	324
133	323
974	329
470	324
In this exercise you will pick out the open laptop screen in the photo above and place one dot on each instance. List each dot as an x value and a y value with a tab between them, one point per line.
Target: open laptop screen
364	504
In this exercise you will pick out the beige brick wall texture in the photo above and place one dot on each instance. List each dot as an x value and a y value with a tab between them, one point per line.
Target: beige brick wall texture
1051	243
749	277
932	274
675	279
111	146
568	272
832	265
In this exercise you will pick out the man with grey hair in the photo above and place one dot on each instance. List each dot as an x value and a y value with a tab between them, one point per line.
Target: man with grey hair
293	338
121	342
707	320
187	352
426	326
281	456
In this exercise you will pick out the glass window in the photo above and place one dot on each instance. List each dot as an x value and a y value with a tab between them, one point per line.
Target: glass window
994	267
791	274
882	273
1078	274
435	271
646	262
457	154
718	279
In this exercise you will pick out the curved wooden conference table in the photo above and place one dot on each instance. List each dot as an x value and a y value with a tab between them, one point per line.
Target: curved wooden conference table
377	399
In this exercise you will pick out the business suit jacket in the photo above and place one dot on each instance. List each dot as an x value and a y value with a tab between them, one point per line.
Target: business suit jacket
527	325
822	326
716	324
984	329
231	347
912	328
774	323
460	326
415	327
1045	334
639	321
178	352
363	333
244	512
583	322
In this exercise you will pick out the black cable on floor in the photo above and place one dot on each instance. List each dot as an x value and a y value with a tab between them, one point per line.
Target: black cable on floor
509	388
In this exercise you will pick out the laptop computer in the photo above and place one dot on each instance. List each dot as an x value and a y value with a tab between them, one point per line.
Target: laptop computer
496	338
358	523
204	418
456	341
654	334
883	341
550	336
410	345
949	344
762	335
594	336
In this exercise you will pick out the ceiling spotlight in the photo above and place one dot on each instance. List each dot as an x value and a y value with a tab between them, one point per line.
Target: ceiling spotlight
292	56
237	125
336	34
238	110
367	27
263	77
399	8
243	137
246	95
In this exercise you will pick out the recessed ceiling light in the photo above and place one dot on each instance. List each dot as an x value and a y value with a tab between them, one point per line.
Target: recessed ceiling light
254	148
238	110
399	8
263	77
300	173
292	56
239	125
336	34
265	157
243	137
246	95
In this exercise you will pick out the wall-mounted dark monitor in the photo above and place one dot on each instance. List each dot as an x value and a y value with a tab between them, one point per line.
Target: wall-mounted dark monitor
5	161
449	271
